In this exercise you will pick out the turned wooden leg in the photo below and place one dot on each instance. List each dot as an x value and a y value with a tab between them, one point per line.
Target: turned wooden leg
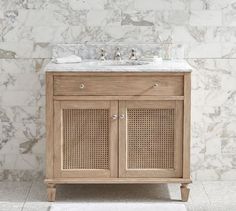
184	192
51	192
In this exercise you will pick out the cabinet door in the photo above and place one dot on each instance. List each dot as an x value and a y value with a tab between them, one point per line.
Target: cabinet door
85	139
150	138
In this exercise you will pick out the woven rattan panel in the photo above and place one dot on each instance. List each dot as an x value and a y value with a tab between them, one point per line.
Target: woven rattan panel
151	138
85	139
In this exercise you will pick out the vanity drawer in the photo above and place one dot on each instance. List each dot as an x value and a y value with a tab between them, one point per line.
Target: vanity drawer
119	85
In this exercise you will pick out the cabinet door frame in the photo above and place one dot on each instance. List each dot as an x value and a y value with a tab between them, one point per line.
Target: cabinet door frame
59	172
177	172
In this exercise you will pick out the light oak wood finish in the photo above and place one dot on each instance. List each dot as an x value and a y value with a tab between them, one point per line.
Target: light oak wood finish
115	86
51	192
49	126
184	192
94	132
134	180
85	140
137	141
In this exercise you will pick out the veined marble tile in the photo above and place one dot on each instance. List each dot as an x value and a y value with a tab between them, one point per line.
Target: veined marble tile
30	162
204	34
19	82
207	174
48	17
210	4
229	16
152	34
178	17
229	145
22	162
1	30
152	5
229	174
203	50
21	175
123	34
220	98
203	31
229	50
37	34
20	98
225	34
205	18
162	19
119	4
7	161
42	50
11	50
13	66
180	4
87	5
15	4
138	18
103	17
24	49
18	113
189	34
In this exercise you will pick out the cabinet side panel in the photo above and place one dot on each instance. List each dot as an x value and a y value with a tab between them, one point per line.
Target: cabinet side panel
49	125
187	125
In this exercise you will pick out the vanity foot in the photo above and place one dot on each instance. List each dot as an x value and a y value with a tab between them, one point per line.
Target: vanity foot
51	192
184	192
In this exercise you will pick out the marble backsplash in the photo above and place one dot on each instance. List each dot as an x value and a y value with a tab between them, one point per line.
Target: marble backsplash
93	51
202	32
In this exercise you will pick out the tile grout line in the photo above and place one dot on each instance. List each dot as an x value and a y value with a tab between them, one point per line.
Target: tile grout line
206	193
27	195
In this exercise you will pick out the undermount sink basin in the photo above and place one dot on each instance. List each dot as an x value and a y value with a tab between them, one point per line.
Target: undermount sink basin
116	63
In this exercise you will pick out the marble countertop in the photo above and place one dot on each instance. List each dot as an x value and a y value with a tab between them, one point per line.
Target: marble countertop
163	66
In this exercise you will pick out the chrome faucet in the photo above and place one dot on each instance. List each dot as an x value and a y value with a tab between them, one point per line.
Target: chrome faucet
117	55
133	55
102	55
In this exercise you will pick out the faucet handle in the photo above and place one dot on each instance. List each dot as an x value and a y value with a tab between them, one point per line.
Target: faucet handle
102	56
133	55
117	55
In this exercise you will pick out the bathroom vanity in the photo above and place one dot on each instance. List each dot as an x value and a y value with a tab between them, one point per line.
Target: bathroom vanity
118	124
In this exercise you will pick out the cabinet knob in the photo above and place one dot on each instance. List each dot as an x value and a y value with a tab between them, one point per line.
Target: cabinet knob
81	86
122	116
156	85
114	116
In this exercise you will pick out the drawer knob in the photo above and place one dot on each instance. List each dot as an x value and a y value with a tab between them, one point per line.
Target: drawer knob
114	116
156	85
122	116
82	86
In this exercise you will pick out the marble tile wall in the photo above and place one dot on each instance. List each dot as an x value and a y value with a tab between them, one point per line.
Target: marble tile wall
205	30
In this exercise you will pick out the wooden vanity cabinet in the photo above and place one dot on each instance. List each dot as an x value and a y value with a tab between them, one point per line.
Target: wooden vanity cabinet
118	128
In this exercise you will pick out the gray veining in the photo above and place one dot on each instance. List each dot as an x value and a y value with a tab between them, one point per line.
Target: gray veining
201	32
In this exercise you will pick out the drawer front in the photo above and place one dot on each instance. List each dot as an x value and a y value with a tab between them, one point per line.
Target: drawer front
119	85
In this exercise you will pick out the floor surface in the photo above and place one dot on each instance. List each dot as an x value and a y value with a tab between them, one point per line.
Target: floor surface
26	196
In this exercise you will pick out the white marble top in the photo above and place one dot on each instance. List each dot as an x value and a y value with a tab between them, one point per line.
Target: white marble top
85	66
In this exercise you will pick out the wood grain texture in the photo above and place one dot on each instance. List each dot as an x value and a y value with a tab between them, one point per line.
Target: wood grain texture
184	192
82	153
51	192
133	180
74	98
187	125
49	126
118	92
140	151
115	86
